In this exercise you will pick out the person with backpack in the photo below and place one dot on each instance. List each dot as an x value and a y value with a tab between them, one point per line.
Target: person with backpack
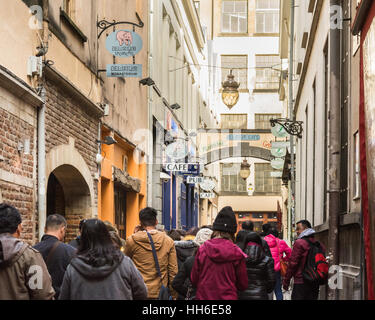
219	270
247	227
56	254
278	248
23	272
307	264
260	270
101	271
154	254
181	282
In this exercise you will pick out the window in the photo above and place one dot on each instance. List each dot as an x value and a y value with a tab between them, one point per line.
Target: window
357	177
234	121
238	65
267	16
234	17
262	120
267	76
69	8
230	178
263	180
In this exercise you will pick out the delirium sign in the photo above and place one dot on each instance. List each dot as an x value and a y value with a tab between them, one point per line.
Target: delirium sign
124	43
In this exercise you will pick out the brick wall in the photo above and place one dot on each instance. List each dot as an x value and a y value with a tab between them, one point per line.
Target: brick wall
14	130
66	118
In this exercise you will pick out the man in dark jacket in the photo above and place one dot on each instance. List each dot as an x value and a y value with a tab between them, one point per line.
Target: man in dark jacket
76	242
249	226
301	289
23	273
57	255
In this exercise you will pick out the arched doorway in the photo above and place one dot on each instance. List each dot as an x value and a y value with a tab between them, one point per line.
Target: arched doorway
69	195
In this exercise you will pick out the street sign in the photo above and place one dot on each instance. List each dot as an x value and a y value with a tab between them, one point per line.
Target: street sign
182	167
276	174
277	163
207	185
194	180
177	150
280	144
279	131
124	43
278	152
207	195
124	70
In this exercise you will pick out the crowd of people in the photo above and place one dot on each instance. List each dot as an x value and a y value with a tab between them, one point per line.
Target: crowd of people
208	263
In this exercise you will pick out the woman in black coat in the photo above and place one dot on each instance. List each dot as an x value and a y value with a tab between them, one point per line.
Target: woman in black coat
260	270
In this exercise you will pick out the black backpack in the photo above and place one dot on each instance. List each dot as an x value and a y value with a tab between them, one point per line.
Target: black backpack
316	265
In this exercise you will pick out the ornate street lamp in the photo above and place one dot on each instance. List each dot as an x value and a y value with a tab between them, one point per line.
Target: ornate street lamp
245	170
230	94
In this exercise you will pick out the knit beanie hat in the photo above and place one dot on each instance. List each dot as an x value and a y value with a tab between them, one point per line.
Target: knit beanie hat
226	221
202	236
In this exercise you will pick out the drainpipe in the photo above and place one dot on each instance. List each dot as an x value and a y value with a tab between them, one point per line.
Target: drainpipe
291	199
42	210
150	164
334	147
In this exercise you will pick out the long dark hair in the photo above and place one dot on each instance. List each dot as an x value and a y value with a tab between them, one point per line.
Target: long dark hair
96	246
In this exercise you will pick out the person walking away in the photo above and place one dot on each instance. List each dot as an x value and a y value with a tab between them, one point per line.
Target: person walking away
260	270
101	271
184	250
75	242
115	236
182	283
56	254
278	249
139	249
191	233
248	226
219	270
23	272
302	290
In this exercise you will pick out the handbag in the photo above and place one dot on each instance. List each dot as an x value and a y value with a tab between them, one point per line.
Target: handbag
283	264
164	293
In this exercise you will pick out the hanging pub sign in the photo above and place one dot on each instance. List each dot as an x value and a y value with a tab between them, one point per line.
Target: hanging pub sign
278	152
124	43
124	70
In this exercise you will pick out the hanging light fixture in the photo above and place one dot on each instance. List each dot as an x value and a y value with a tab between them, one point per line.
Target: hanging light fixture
230	94
245	170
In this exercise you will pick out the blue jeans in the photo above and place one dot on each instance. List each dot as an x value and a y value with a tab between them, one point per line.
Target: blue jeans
278	290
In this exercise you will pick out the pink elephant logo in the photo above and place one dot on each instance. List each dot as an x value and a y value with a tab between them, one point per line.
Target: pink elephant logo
124	37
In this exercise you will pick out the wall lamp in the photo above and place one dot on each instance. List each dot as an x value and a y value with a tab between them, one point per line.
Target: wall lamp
147	82
108	140
175	106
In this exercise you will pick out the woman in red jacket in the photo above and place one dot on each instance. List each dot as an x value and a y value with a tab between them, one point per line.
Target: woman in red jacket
219	270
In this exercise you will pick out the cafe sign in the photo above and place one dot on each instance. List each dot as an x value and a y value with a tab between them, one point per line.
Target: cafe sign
124	43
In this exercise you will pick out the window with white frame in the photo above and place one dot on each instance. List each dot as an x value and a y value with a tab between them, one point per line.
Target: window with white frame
234	17
262	120
231	180
263	180
238	65
234	121
267	74
267	16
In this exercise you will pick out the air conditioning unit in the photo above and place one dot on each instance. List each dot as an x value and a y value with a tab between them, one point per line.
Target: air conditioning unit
35	66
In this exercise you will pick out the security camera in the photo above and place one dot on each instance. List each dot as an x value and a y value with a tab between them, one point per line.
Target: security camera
164	177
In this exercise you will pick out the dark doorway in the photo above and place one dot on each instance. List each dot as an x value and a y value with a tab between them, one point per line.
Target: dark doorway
120	211
55	197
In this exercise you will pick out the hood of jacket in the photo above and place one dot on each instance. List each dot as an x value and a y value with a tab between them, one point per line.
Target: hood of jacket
184	249
255	253
306	233
271	240
10	249
90	272
222	250
142	239
189	244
